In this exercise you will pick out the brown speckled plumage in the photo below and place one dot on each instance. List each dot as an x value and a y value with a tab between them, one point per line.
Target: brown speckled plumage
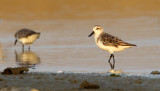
24	33
110	40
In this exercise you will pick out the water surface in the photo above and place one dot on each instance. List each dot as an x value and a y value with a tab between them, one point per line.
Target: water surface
64	45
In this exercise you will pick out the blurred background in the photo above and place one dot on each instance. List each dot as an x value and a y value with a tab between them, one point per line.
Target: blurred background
64	27
77	9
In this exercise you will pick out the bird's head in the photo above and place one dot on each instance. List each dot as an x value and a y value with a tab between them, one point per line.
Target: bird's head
97	29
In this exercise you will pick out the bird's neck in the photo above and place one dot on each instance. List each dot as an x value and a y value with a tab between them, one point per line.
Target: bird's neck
97	35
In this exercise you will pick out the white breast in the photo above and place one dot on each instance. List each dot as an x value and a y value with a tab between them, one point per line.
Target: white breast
29	39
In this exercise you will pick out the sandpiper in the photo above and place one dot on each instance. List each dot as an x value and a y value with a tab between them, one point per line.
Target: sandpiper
109	43
26	37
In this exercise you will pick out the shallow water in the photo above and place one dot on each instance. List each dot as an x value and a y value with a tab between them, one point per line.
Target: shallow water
64	45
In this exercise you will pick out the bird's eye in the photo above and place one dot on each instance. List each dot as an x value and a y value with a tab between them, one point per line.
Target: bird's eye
97	28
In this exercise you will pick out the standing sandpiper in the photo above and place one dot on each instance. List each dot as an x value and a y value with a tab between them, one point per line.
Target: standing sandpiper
109	43
26	37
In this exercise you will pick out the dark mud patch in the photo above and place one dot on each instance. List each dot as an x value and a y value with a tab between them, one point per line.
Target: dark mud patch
15	71
86	85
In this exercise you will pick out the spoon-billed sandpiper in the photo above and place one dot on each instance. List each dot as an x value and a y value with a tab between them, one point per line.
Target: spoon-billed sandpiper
26	37
109	43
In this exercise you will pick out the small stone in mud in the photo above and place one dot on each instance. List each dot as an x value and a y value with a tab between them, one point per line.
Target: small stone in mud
73	81
38	77
85	84
138	82
59	78
56	78
15	71
34	90
21	78
155	72
117	89
1	79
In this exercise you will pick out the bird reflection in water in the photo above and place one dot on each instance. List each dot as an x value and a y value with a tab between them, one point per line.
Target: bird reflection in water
27	59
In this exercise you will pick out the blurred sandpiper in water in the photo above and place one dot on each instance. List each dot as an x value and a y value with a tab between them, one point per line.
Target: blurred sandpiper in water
26	37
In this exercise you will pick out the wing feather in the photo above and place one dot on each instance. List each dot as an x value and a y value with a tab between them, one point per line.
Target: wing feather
110	40
24	33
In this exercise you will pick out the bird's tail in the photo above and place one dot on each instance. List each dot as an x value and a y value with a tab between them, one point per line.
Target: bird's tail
128	44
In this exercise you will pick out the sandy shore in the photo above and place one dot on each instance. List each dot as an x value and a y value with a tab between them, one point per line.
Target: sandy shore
79	81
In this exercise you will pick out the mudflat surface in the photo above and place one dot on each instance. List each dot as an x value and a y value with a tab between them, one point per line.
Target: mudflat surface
79	82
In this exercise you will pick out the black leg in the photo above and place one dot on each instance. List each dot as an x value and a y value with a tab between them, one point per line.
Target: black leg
113	62
109	61
29	48
23	47
15	42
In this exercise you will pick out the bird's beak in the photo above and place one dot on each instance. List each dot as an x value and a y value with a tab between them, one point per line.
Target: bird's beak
15	42
91	34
